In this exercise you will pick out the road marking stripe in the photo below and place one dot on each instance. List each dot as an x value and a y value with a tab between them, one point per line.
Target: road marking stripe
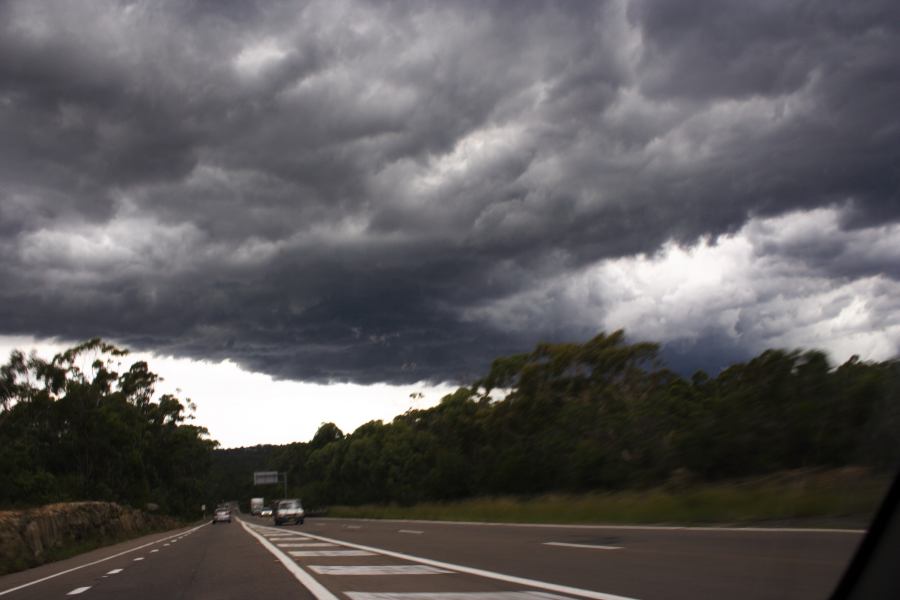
413	531
377	570
454	596
353	526
553	587
635	527
306	545
80	590
96	562
154	550
594	546
114	571
330	553
316	588
139	558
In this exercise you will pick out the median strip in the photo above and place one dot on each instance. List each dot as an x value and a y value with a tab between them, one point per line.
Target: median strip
305	579
543	585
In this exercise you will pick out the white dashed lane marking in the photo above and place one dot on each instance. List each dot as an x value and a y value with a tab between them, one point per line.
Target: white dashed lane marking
377	570
154	550
77	591
412	531
114	571
591	546
139	558
301	553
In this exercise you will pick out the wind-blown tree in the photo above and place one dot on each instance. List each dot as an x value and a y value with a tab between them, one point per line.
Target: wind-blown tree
604	415
75	428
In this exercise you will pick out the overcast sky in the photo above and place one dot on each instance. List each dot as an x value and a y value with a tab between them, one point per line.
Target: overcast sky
399	192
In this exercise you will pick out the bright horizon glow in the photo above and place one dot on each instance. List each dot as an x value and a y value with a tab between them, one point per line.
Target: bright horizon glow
243	408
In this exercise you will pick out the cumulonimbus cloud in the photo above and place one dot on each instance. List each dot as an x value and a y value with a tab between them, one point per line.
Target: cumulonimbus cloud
334	190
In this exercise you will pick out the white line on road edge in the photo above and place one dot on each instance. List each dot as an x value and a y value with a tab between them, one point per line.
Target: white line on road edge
90	564
412	531
553	587
77	591
636	527
594	546
316	588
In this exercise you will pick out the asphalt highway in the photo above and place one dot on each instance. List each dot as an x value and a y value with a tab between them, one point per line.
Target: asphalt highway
345	559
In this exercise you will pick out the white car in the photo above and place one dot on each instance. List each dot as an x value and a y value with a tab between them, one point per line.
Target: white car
222	515
265	512
289	510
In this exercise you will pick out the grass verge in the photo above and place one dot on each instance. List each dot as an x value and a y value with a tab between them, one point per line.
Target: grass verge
846	497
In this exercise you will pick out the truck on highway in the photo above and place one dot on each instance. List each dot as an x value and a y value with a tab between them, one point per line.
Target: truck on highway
256	506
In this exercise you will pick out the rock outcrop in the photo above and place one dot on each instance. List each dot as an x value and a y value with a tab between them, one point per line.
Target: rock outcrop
31	537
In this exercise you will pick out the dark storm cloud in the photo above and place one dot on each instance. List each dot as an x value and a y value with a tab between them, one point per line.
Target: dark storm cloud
326	190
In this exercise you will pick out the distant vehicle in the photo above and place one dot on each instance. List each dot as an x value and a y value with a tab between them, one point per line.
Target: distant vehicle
288	510
266	511
256	505
222	515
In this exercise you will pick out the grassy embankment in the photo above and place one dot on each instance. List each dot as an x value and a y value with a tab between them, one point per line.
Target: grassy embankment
844	497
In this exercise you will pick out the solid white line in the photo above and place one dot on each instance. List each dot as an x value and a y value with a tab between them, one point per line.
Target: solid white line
412	531
30	583
635	527
553	587
114	571
376	570
300	553
594	546
316	588
79	590
454	596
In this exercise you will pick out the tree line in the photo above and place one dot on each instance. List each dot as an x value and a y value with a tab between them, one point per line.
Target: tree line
73	428
603	415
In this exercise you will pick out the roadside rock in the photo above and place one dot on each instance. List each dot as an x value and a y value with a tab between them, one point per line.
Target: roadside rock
29	537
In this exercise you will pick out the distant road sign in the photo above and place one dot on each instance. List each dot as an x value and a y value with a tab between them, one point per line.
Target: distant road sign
265	477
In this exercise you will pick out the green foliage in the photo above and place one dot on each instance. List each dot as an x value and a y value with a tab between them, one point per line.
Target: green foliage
604	416
812	498
72	428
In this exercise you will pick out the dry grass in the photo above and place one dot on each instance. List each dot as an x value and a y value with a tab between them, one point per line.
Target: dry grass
846	496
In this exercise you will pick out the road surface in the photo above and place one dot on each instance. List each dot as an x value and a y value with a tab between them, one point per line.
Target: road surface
346	559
